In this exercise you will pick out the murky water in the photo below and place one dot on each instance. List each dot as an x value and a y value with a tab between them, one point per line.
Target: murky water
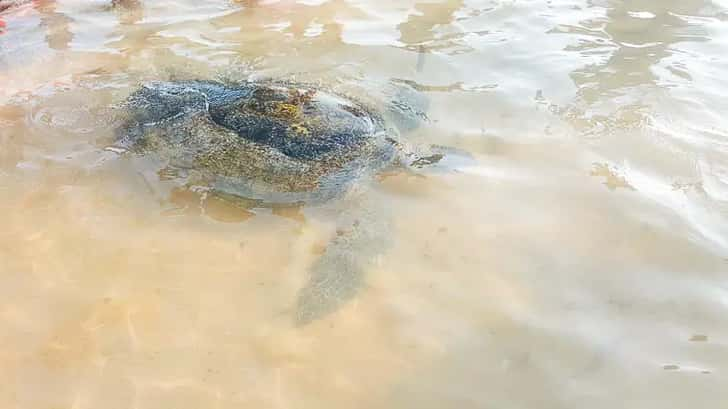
578	259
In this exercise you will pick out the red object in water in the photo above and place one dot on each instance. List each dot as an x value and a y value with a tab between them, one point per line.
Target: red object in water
17	8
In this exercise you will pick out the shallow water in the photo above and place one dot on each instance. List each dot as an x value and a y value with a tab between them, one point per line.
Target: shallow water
578	259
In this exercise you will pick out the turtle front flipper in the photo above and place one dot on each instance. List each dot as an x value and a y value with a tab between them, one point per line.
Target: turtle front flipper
339	274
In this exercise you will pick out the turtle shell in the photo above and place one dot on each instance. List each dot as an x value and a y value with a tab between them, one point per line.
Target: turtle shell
279	142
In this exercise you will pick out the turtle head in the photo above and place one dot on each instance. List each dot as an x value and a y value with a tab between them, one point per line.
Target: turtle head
407	106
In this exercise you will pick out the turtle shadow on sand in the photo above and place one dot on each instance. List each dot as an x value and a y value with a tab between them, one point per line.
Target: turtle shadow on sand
276	144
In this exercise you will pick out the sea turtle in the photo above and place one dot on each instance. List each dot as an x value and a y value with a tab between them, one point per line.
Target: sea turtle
269	143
